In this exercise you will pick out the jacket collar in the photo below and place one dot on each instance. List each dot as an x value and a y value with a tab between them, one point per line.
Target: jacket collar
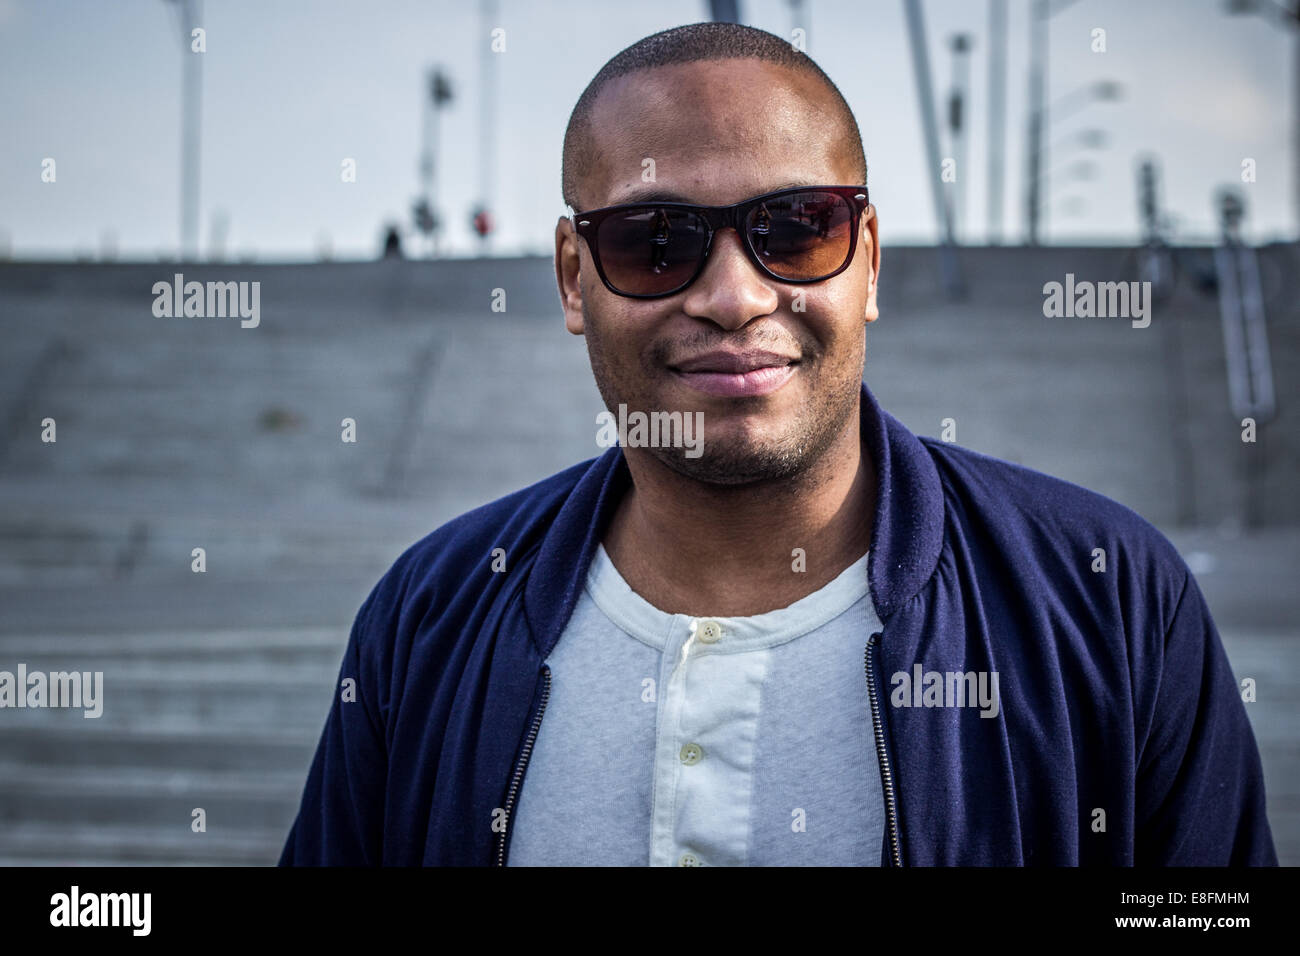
905	541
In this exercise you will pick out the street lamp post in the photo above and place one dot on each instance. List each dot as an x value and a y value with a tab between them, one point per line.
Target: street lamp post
483	215
997	114
189	13
1038	36
948	265
1102	91
960	44
425	210
1035	145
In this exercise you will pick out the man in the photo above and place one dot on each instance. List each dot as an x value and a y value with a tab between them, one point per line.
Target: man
816	639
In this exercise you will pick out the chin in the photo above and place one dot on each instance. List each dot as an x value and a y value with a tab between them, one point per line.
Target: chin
732	462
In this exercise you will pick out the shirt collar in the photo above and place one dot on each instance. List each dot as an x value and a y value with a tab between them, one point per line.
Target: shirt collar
637	617
906	538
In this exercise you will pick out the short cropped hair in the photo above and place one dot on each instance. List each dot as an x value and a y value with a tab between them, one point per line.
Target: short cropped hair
690	44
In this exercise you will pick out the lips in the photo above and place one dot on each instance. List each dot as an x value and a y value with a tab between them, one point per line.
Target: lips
733	374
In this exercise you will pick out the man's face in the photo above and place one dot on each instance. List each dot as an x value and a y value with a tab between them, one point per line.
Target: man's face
721	132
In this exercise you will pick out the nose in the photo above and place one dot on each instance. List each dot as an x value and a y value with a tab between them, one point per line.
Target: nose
730	291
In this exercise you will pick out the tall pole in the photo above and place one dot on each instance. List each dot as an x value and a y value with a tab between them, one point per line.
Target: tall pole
958	109
797	19
724	11
1035	141
929	123
1295	120
191	12
930	128
997	115
424	210
487	113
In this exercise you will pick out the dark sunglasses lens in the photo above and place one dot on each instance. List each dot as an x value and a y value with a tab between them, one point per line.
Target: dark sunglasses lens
651	251
804	235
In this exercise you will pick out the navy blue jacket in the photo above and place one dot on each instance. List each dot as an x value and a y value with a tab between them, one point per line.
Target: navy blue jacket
1115	693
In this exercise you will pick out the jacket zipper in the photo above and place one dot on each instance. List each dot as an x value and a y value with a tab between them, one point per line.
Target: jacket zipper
886	774
522	765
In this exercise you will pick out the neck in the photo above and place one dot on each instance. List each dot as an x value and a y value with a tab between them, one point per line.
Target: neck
689	547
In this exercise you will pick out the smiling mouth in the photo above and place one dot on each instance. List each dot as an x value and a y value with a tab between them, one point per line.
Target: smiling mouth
736	374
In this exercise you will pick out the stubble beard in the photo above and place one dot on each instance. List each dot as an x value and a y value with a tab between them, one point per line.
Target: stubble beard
738	461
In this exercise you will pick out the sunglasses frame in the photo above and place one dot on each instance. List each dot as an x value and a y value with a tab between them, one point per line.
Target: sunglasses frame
587	224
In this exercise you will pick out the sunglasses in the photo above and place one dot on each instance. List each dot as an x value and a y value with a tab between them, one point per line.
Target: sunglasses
648	250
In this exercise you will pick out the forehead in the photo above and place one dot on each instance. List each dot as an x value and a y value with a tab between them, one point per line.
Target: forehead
716	131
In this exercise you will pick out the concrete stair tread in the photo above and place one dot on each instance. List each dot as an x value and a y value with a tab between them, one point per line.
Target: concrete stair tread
164	642
96	780
81	844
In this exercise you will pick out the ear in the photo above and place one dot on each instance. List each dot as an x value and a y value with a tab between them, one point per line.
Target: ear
568	263
871	244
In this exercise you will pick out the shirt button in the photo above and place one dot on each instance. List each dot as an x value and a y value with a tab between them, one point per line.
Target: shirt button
709	632
688	859
691	754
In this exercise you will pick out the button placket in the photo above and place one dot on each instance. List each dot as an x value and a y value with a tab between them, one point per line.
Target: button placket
669	737
708	631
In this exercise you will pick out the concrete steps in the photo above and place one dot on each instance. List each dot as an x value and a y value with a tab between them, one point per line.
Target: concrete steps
223	721
175	434
75	745
43	844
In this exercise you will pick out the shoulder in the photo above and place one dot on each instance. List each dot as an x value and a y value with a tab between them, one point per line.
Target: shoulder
1025	498
513	523
457	567
1046	527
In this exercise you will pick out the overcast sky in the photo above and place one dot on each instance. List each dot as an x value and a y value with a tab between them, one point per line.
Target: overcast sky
293	87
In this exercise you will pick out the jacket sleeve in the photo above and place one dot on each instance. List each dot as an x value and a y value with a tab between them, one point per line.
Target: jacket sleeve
341	817
1200	785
